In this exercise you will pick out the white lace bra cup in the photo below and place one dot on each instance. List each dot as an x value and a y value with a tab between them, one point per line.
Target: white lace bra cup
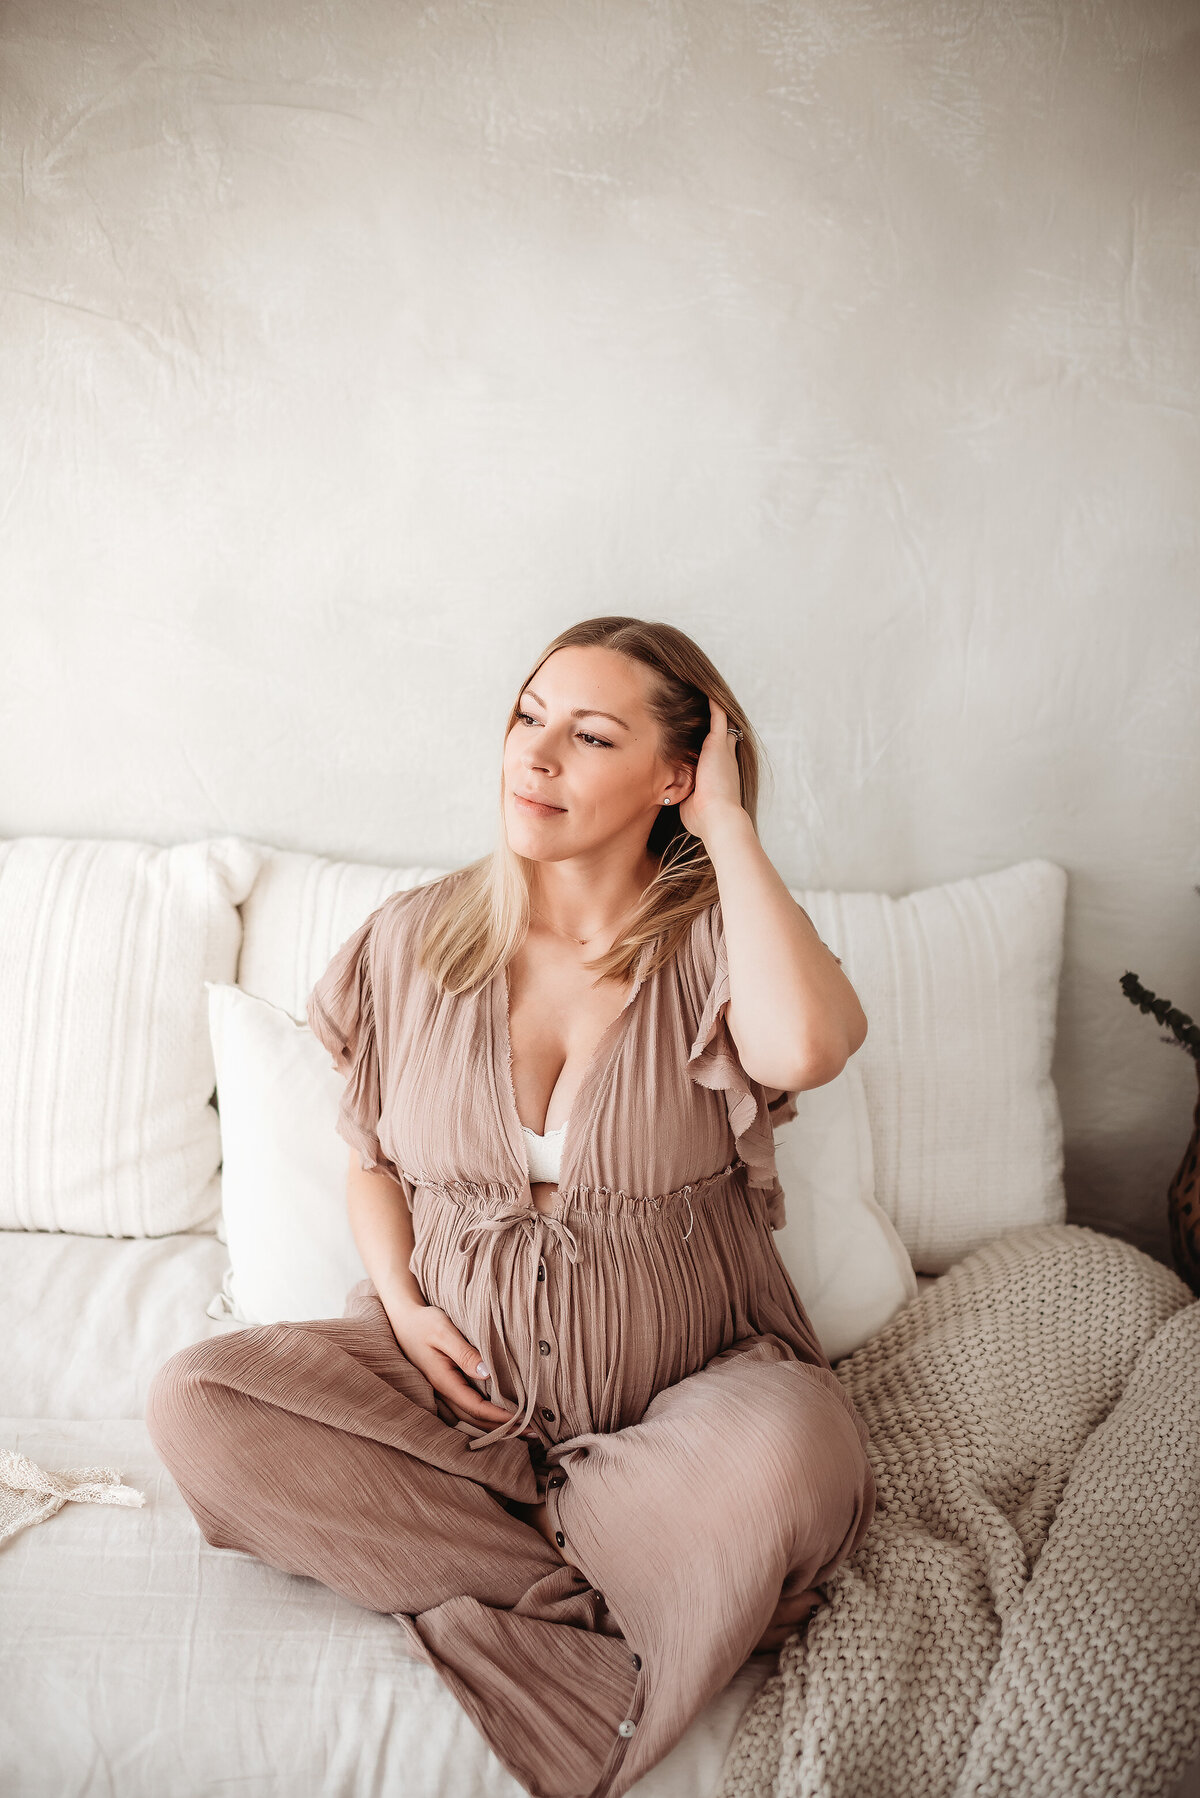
544	1153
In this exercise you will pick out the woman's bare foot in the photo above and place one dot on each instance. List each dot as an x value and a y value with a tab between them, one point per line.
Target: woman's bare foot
791	1616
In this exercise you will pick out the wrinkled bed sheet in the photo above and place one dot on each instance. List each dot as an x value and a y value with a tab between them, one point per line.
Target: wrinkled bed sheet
87	1319
135	1660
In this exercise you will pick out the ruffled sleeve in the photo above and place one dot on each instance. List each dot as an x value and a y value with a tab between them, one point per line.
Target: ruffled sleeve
341	1015
755	1111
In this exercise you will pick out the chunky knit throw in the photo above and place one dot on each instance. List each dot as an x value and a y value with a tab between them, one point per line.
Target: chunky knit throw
1022	1616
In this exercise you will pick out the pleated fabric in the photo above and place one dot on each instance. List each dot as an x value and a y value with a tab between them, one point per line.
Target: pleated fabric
696	1453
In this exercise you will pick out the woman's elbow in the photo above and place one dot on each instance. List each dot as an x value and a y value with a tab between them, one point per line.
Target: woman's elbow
825	1060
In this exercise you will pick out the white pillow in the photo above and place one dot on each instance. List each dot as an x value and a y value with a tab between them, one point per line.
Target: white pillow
291	1252
292	1255
960	986
106	1068
846	1260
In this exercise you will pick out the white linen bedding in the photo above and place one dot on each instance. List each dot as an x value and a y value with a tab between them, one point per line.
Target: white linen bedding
138	1662
87	1320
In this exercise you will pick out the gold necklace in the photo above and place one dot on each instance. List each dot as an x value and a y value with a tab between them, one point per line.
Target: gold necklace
582	941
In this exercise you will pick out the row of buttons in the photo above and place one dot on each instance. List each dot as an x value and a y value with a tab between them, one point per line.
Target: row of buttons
547	1413
627	1727
544	1348
556	1479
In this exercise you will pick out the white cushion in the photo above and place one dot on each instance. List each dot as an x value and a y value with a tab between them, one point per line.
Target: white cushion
291	1251
846	1260
106	1069
960	986
292	1254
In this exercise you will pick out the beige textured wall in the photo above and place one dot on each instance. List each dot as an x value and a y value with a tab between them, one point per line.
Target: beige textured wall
350	349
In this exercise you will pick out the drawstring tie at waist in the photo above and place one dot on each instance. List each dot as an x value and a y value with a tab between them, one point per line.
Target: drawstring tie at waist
536	1224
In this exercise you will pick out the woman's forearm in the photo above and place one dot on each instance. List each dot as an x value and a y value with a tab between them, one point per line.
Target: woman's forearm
382	1227
793	1013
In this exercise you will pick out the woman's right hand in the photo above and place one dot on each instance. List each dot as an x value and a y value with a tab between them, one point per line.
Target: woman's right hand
446	1358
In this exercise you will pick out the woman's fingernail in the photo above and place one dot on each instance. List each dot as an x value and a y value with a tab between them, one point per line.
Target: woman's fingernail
481	1369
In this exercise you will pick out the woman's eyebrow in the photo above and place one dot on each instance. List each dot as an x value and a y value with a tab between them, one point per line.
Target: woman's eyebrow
581	711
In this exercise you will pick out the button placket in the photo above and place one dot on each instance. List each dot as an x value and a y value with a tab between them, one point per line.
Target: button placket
637	1704
562	1234
625	1730
627	1727
553	1485
547	1411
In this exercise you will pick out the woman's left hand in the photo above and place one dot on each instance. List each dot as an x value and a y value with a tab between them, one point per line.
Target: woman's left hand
717	787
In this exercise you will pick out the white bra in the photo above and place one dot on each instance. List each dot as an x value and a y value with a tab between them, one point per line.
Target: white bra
544	1153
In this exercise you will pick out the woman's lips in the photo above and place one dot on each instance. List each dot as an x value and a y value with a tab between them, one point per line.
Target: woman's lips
538	810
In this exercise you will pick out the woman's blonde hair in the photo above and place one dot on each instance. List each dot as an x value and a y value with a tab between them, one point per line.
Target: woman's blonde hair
465	943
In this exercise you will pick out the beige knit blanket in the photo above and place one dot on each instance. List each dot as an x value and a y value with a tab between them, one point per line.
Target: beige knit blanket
1022	1616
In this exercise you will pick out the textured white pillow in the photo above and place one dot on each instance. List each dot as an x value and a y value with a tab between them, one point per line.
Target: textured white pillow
106	1068
960	986
292	1254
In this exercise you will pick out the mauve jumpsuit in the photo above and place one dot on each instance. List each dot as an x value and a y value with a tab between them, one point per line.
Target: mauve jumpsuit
696	1453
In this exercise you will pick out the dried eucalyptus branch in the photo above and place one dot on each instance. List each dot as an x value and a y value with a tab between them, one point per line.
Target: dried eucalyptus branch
1183	1030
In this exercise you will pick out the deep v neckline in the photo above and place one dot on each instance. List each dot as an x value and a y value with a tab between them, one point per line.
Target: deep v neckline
597	1063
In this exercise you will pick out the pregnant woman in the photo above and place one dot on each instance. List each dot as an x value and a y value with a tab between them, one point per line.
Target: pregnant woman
575	1431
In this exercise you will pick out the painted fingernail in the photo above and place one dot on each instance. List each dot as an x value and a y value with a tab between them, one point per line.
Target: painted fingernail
481	1369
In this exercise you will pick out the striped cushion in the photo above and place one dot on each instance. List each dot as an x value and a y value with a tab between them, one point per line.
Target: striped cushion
302	909
106	1067
960	986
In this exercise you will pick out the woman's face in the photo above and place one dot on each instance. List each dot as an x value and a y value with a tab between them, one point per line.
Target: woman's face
584	743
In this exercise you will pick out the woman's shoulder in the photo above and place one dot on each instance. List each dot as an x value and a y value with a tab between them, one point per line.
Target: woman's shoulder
395	923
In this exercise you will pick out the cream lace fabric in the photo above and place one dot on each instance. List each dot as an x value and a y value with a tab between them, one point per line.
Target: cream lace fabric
1023	1616
30	1494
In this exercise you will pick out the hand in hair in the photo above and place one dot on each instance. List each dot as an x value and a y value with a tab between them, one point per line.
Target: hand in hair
717	787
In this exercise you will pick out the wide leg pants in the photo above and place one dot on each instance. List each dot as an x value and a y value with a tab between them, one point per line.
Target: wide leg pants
318	1447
